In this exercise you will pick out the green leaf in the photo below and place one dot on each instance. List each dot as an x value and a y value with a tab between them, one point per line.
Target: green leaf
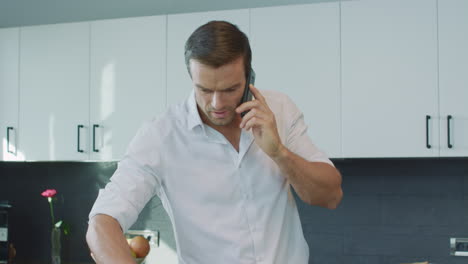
66	228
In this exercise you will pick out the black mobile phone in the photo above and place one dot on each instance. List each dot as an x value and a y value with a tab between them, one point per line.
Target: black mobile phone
247	96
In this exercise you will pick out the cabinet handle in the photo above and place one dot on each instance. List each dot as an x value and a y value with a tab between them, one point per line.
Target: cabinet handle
94	138
78	143
8	140
428	117
449	117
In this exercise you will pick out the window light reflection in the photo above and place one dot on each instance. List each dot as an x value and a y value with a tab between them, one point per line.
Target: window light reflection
107	104
107	96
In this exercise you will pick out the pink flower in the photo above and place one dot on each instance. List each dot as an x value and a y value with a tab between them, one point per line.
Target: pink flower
49	193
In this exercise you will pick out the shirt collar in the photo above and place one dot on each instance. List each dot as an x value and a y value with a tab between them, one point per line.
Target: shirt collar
193	118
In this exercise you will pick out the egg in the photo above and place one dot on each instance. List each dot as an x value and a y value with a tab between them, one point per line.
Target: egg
140	246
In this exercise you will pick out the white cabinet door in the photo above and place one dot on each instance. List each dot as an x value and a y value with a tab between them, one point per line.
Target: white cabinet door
296	50
389	78
9	59
453	76
54	91
180	27
128	80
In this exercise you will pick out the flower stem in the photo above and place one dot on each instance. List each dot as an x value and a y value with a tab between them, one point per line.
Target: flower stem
51	211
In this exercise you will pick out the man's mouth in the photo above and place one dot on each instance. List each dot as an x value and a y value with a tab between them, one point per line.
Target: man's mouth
220	114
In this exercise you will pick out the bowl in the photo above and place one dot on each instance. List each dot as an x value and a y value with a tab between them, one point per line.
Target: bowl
140	260
137	260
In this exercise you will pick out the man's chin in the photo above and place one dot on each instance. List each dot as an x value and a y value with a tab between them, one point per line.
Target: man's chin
221	121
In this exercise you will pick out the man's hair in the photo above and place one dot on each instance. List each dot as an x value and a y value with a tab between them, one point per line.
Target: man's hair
218	43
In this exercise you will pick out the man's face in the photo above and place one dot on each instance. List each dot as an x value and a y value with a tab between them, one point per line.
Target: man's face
218	91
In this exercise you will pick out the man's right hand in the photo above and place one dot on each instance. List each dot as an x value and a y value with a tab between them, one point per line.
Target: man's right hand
107	241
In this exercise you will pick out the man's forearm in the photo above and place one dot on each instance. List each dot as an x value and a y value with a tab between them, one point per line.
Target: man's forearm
107	242
316	183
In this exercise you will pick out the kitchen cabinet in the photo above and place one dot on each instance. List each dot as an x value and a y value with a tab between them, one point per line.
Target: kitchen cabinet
296	50
128	81
9	101
453	77
389	78
366	75
179	28
54	92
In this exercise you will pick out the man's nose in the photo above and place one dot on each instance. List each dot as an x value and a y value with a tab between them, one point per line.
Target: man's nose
217	101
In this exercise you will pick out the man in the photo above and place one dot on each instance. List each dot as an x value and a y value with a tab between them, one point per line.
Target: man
224	180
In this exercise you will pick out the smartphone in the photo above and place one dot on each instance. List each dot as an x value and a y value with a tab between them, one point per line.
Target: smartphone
247	96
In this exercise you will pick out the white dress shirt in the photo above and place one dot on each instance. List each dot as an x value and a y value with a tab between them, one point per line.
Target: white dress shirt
225	206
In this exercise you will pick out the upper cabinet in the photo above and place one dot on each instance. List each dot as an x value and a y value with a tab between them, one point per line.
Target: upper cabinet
86	88
54	92
9	89
296	50
179	28
128	81
453	77
373	78
389	78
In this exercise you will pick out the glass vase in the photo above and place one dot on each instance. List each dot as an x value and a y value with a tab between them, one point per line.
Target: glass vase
56	245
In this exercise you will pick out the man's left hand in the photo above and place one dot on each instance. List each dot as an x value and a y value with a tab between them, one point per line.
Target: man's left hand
262	121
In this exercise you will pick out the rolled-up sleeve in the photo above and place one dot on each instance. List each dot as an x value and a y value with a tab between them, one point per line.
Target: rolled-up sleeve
134	183
298	140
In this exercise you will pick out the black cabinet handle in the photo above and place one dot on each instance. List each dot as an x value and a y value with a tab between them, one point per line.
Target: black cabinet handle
78	143
427	131
8	140
94	138
449	117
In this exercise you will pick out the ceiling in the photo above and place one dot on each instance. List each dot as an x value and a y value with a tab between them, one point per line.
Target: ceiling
14	13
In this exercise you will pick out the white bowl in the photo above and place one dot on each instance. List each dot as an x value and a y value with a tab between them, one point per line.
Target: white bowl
140	260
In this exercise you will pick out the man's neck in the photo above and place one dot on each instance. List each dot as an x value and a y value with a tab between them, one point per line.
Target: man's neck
229	129
231	132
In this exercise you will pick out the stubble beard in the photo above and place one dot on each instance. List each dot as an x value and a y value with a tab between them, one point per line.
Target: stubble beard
221	121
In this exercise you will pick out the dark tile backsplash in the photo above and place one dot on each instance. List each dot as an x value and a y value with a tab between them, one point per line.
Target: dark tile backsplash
393	211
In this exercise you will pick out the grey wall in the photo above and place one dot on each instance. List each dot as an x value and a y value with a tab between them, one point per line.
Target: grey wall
77	185
15	13
394	210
